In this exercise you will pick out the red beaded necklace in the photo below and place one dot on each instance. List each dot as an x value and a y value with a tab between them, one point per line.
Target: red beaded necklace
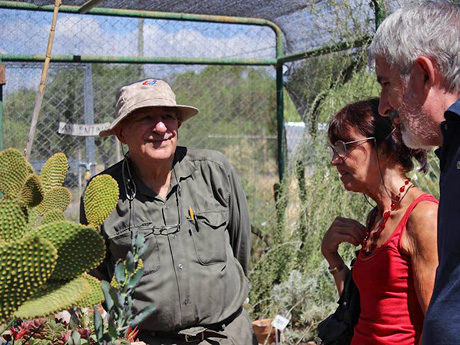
383	221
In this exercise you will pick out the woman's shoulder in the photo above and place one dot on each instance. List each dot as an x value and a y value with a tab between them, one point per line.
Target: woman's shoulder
424	213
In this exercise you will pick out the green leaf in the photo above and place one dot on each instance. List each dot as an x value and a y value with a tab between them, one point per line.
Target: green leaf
98	325
113	330
76	338
129	263
106	289
120	272
117	298
141	316
134	280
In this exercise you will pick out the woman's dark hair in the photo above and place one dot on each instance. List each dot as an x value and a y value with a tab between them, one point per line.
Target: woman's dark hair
364	117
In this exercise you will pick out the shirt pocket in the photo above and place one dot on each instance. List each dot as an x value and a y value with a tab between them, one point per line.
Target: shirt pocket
209	237
120	244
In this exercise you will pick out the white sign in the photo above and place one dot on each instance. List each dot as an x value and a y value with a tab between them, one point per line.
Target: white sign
280	322
82	130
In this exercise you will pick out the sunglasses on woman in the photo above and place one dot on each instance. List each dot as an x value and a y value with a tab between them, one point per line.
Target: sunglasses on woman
340	148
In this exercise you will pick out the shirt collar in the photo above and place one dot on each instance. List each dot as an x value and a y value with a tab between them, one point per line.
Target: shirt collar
182	169
182	165
453	110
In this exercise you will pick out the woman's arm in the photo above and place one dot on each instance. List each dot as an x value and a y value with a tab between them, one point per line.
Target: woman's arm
420	242
341	230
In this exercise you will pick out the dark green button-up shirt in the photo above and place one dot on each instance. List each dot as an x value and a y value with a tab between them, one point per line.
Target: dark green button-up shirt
196	275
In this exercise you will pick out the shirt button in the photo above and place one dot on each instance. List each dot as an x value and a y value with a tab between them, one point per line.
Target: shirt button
167	207
187	301
174	236
181	266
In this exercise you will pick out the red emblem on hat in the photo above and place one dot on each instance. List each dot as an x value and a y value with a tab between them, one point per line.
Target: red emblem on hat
150	82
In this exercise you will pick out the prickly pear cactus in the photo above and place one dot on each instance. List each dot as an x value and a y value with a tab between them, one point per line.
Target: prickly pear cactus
25	265
13	172
100	196
43	258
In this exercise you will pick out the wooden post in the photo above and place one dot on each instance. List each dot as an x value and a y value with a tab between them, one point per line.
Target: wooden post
41	89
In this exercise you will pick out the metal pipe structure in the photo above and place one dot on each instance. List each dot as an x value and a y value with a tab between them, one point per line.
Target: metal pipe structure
89	5
136	60
166	60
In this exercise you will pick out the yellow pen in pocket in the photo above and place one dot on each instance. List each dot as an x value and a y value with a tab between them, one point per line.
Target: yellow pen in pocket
190	212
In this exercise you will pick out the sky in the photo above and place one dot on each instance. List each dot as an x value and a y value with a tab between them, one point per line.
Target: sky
27	32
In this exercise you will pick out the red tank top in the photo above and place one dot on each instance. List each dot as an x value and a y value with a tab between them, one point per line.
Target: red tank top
390	311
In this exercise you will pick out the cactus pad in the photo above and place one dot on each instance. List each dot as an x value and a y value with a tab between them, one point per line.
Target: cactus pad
31	193
80	248
54	171
52	216
100	199
56	197
25	265
13	172
13	219
95	296
53	297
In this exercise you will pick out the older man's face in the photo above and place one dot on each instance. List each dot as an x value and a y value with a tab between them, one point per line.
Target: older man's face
399	101
150	133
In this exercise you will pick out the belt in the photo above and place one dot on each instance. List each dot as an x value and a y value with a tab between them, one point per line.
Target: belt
198	333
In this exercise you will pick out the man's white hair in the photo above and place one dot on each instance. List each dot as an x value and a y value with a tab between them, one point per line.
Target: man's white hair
430	29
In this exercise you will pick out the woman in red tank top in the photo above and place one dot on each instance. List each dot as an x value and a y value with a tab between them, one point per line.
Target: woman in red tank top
396	265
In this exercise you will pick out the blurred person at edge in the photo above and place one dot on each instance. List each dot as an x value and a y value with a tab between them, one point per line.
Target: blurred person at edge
416	52
191	208
395	268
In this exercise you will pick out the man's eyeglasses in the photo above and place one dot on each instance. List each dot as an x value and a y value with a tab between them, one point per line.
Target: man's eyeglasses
340	148
166	229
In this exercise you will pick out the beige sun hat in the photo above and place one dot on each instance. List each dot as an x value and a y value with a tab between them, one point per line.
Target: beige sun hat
146	93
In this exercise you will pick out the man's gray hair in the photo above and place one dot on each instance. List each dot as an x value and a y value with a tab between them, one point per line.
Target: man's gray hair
430	29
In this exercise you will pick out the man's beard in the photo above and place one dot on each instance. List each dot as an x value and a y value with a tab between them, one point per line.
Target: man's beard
418	129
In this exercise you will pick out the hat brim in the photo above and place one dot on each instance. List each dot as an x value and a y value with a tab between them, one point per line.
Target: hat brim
185	112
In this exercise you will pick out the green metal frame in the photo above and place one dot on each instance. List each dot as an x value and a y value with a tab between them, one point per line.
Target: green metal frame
277	62
162	60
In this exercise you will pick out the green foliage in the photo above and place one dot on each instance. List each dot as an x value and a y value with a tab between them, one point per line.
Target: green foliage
41	264
96	296
119	298
13	219
101	198
25	265
53	215
56	198
54	171
80	248
239	88
13	172
31	193
53	297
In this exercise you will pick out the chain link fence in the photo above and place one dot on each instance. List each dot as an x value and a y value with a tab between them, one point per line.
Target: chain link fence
238	118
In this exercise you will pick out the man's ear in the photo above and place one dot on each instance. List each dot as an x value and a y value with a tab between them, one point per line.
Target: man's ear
425	73
119	133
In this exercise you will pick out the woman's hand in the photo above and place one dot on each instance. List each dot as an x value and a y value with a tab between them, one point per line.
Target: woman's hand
341	230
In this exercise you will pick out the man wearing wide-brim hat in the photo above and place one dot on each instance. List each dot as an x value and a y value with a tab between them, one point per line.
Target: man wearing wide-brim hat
191	208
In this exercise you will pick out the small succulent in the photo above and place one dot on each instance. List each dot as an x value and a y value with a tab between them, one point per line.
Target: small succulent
119	301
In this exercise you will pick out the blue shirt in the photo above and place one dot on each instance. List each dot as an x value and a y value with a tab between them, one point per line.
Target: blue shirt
442	321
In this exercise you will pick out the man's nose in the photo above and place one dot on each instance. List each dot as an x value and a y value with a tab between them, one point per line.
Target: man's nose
160	127
384	106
